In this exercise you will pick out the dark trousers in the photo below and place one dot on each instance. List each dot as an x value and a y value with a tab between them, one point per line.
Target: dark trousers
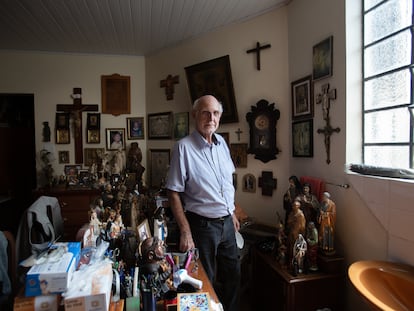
216	242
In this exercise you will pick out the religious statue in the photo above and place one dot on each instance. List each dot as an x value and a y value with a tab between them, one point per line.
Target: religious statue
327	220
294	190
154	272
310	204
312	240
133	165
46	131
299	254
296	224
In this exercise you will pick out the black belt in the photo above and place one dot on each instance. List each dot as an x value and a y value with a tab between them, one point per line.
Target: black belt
196	216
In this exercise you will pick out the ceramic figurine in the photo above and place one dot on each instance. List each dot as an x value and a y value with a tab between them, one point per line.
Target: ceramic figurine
327	220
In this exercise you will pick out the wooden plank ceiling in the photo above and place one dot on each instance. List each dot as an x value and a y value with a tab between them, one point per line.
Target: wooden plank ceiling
122	27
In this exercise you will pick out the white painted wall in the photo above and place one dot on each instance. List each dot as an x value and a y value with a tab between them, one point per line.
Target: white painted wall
52	77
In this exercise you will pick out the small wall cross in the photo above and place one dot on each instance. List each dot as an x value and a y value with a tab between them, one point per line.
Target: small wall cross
168	83
238	132
325	99
257	51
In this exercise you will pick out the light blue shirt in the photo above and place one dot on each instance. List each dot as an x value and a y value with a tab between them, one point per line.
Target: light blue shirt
203	174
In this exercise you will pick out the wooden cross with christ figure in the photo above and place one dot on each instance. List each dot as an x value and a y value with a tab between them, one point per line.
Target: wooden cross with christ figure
168	83
257	50
325	100
76	112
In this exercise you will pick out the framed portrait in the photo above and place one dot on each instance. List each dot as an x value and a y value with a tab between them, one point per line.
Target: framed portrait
62	136
322	59
239	154
249	183
302	138
63	157
144	231
226	137
135	128
62	120
214	77
302	98
160	125
159	163
181	127
92	155
115	138
116	94
93	136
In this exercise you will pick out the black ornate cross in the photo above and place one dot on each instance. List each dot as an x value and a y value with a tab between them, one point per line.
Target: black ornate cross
168	83
325	100
267	183
257	50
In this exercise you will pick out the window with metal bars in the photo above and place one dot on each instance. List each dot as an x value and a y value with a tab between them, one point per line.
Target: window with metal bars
388	83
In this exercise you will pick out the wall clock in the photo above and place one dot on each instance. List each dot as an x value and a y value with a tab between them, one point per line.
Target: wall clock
262	121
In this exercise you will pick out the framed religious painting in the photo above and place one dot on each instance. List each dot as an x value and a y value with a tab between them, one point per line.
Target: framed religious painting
249	183
143	230
181	125
322	59
62	128
239	154
159	163
302	98
92	155
302	138
93	128
160	125
115	138
63	157
214	77
135	128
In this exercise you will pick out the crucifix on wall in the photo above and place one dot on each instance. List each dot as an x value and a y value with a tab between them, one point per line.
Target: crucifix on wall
76	112
257	50
168	83
325	100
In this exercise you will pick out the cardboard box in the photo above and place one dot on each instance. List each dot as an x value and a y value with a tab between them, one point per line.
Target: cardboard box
37	303
90	289
53	275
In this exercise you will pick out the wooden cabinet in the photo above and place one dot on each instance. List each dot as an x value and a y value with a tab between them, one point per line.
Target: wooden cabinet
75	204
274	288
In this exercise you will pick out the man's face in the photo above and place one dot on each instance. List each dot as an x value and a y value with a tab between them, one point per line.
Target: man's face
208	116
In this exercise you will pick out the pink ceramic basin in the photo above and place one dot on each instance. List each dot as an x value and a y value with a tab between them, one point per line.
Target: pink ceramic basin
386	285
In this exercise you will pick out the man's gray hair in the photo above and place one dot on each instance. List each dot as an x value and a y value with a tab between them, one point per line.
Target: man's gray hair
197	102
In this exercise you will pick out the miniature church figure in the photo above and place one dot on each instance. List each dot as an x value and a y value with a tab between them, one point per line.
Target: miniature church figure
327	220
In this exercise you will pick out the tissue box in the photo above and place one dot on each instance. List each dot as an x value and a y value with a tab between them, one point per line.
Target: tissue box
90	289
53	275
37	303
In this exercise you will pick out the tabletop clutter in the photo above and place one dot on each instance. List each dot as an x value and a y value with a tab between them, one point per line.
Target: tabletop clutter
78	276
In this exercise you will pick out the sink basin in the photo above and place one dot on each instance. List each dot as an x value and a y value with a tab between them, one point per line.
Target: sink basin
385	285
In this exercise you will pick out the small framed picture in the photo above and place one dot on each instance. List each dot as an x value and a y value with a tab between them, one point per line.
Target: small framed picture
62	136
72	170
160	125
93	136
115	138
93	121
63	157
135	128
322	59
239	154
249	183
159	163
143	231
302	98
62	120
302	138
180	125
